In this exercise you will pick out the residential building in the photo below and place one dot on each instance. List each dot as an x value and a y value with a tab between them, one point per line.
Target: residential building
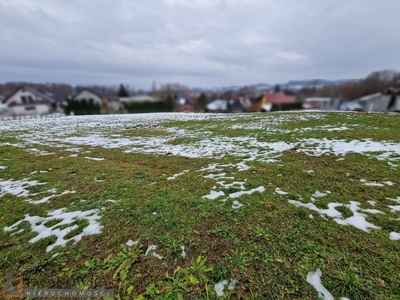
378	102
26	101
88	95
183	104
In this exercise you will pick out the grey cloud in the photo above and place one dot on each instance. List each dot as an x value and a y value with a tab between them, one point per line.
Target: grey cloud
201	42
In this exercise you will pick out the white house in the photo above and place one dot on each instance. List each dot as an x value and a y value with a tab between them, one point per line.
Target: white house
87	95
317	103
26	101
378	102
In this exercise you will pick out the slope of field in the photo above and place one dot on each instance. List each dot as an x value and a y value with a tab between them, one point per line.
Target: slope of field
203	206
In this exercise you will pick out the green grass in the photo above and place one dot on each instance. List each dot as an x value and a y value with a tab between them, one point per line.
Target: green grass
268	245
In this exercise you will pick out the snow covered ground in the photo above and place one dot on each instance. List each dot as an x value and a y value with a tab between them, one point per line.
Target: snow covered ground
72	134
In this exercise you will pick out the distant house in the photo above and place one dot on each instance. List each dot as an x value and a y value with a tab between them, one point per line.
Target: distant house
183	104
87	95
318	103
218	105
378	102
260	104
280	98
353	105
26	101
271	101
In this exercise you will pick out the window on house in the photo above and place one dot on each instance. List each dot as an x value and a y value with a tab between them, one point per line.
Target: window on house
23	98
30	99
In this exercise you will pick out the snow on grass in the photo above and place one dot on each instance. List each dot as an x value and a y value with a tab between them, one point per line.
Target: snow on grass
372	203
214	195
176	175
73	132
3	167
319	194
219	287
358	219
308	171
18	187
371	183
280	192
260	189
66	218
46	199
314	278
236	204
94	158
394	208
238	184
397	200
131	243
394	236
183	251
151	250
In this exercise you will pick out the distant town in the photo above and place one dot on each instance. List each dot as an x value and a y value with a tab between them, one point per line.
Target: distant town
377	92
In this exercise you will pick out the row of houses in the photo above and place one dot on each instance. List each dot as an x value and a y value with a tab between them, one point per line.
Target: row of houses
26	101
379	102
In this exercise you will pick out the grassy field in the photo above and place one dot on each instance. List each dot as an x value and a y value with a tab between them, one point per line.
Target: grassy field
186	206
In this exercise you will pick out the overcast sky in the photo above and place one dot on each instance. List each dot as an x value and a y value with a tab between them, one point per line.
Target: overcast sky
201	43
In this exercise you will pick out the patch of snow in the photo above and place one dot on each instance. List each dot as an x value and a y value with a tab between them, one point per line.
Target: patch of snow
94	158
110	200
183	251
319	194
219	288
236	204
46	199
260	189
131	243
239	184
389	183
176	175
151	249
280	192
3	167
214	195
314	278
371	183
311	216
18	187
395	200
394	208
308	171
55	255
154	213
358	219
394	236
372	203
67	218
160	257
232	284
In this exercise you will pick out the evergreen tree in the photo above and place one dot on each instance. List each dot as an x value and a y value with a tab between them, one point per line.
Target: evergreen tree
201	103
277	88
229	106
122	92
